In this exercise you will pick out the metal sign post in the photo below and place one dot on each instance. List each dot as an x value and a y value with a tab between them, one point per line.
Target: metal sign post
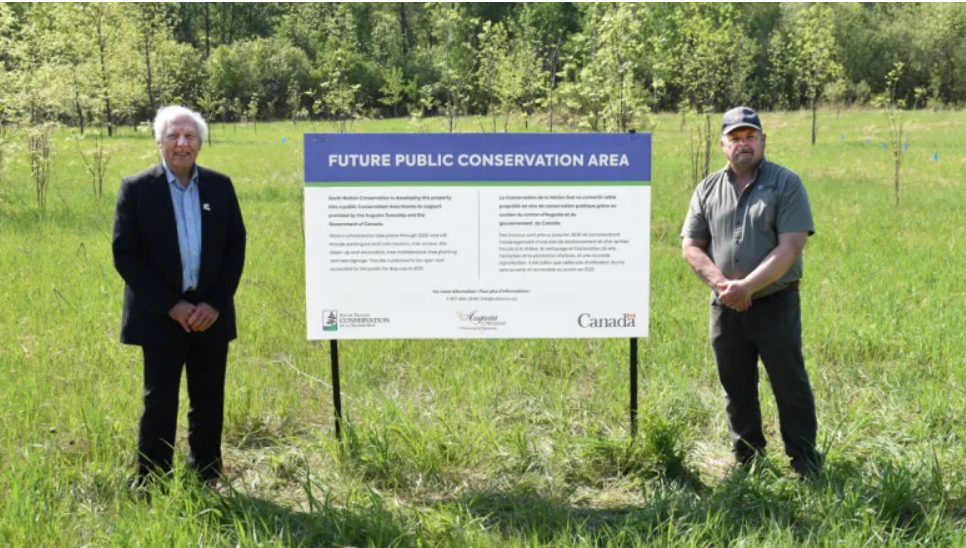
336	390
634	387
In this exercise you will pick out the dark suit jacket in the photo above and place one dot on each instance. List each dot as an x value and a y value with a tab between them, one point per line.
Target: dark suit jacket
147	256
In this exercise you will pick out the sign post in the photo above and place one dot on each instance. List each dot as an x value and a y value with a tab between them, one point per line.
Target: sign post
467	236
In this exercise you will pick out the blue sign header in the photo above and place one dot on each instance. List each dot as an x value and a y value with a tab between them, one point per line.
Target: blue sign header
480	157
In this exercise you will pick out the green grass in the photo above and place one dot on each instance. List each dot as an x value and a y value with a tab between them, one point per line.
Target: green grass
505	442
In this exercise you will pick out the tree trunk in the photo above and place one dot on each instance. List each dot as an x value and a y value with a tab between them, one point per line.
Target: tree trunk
506	121
207	29
553	77
223	7
707	144
80	111
814	117
451	111
147	64
1	153
110	117
231	22
622	121
489	84
898	159
77	100
404	29
105	84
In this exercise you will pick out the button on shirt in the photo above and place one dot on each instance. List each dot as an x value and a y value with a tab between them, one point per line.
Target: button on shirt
187	215
742	228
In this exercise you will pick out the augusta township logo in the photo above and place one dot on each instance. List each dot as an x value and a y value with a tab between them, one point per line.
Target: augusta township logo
330	320
480	322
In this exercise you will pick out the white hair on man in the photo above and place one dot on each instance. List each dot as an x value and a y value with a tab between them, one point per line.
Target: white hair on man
168	114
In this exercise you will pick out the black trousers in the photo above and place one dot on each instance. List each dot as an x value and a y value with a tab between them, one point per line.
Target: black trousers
205	366
772	330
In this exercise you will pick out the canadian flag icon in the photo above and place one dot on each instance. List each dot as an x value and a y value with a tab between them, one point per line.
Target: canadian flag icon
629	315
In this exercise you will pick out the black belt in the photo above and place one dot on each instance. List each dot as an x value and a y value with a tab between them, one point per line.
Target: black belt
792	286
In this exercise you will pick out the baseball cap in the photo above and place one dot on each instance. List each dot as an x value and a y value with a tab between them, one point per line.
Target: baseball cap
740	117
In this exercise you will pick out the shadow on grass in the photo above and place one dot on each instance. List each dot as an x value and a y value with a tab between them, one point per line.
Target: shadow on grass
862	499
898	504
353	523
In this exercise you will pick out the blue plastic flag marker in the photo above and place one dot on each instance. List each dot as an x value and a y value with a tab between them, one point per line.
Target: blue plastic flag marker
843	136
883	144
868	141
935	156
905	146
283	139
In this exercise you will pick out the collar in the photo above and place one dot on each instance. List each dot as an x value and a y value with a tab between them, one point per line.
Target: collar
174	180
730	173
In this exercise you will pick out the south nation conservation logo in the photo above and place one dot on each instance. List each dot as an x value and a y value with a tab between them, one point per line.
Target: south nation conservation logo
330	320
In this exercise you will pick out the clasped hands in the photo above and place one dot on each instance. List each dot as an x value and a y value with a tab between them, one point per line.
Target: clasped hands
735	294
193	317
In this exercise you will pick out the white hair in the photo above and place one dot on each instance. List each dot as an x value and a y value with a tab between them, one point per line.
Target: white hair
167	114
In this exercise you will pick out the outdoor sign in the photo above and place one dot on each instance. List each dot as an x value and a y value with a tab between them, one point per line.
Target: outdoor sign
515	235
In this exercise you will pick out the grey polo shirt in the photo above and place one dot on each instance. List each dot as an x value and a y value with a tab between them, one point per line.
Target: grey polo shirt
741	230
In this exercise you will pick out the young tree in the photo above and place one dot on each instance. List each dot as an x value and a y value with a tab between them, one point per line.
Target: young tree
251	112
527	65
697	139
8	79
547	28
294	103
454	56
210	104
620	41
492	76
38	149
425	102
100	20
237	111
149	25
393	89
338	95
42	92
818	53
96	160
782	78
337	98
605	95
69	47
715	59
893	106
837	92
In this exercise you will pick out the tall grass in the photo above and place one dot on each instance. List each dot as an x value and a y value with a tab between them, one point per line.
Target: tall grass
501	443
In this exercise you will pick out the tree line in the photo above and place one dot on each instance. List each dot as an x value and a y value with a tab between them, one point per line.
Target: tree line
597	66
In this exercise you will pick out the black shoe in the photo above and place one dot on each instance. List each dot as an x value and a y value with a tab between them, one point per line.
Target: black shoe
138	485
809	468
749	457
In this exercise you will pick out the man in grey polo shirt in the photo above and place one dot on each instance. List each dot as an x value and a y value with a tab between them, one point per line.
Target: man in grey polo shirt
743	236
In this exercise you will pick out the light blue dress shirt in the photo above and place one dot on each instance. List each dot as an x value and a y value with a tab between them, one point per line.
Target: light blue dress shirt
187	214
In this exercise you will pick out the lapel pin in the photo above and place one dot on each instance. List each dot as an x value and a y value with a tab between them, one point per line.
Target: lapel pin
206	207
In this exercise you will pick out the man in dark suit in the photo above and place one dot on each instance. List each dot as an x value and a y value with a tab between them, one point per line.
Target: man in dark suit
179	245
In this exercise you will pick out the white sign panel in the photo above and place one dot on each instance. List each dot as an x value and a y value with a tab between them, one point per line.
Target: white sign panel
477	235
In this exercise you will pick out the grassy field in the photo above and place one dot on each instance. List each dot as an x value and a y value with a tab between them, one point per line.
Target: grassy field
501	443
